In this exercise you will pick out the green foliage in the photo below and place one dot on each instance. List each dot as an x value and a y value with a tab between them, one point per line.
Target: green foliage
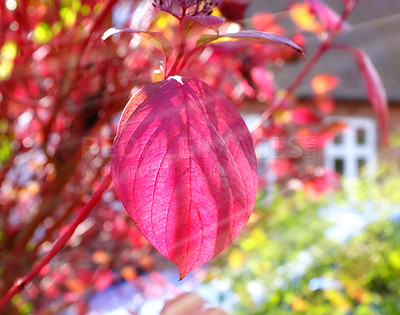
5	143
287	264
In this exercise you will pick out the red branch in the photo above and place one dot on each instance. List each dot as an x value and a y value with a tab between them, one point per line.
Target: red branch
60	243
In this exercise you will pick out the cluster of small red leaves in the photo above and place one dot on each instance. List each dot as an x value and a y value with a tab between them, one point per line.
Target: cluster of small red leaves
296	137
297	134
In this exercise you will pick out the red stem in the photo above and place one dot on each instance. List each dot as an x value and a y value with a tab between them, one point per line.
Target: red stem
190	54
279	102
60	243
181	49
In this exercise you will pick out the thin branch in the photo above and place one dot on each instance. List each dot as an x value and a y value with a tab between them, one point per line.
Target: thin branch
279	102
60	243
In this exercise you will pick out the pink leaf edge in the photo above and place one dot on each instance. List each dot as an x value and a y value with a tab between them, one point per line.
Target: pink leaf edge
375	90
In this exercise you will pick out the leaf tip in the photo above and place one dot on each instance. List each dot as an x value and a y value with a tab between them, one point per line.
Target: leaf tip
297	48
183	270
108	33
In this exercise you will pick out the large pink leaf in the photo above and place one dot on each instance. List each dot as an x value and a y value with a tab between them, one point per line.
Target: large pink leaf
375	90
249	35
184	166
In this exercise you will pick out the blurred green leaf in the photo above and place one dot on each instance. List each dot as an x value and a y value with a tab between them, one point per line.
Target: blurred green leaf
42	33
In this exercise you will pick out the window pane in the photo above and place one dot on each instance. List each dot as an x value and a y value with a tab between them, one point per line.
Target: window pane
361	162
339	166
360	134
338	139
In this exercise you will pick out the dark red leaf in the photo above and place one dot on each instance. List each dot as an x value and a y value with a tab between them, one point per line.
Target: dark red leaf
233	10
375	90
255	36
158	39
184	166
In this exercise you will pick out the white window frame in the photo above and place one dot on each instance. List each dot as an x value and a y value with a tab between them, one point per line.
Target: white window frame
264	151
349	150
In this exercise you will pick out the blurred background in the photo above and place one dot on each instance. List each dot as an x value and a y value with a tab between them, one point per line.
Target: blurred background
324	235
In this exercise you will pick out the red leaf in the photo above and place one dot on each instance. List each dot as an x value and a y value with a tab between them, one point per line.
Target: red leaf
375	90
323	83
304	115
209	21
184	166
233	10
315	187
158	39
310	139
262	21
303	17
102	279
334	128
264	81
281	167
255	36
325	103
329	18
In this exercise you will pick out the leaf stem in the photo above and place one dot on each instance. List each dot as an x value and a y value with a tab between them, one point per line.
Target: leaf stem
190	54
60	243
181	49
